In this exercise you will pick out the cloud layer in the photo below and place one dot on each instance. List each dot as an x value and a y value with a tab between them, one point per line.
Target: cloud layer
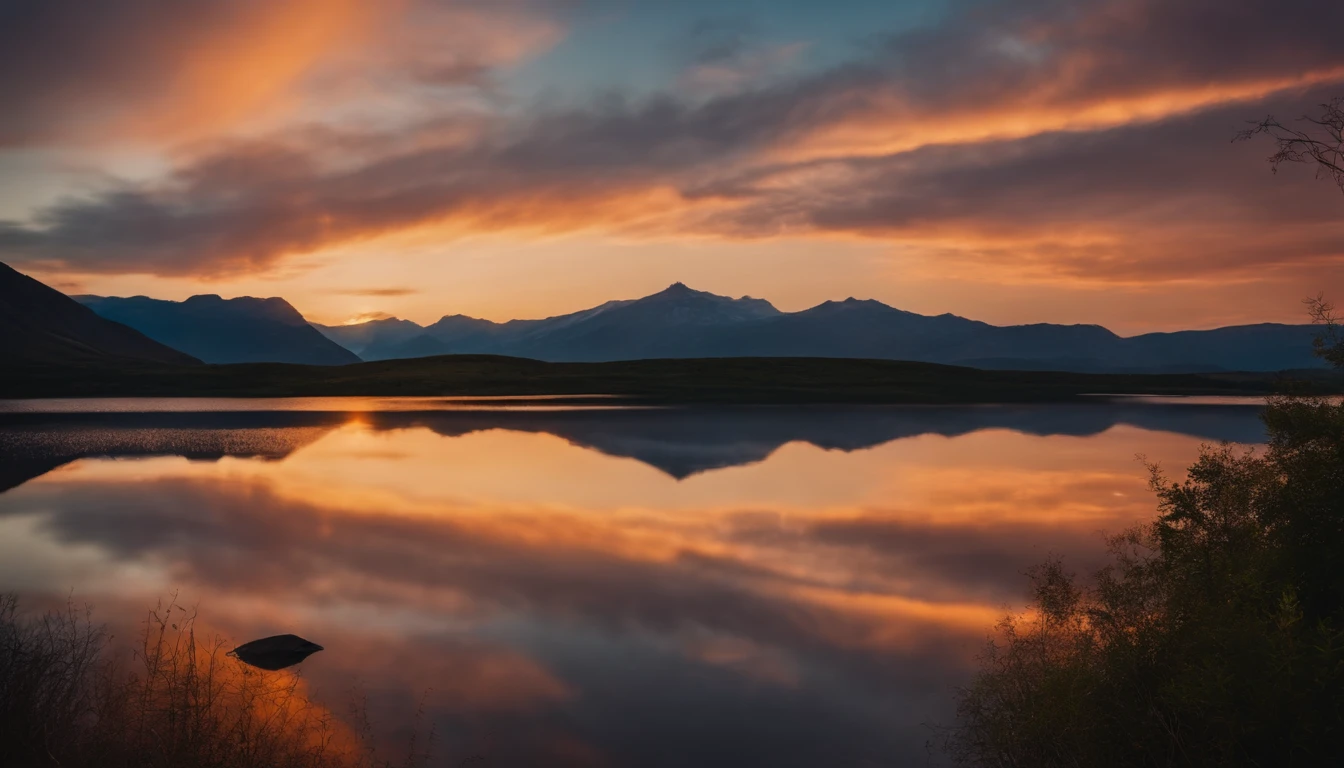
1023	140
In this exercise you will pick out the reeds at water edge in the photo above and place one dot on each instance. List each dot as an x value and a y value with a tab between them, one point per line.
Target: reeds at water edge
70	697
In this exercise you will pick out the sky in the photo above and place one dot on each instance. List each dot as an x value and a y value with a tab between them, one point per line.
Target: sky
1012	161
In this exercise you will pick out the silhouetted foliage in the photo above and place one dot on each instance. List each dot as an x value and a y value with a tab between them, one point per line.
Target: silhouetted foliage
1215	636
1329	344
1311	140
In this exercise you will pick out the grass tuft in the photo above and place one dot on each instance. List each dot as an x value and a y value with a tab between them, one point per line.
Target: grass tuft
69	699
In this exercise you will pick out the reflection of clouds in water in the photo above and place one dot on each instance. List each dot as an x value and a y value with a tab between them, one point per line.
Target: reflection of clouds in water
239	544
242	536
811	608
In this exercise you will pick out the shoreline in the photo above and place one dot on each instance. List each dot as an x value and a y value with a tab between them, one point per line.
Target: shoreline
738	381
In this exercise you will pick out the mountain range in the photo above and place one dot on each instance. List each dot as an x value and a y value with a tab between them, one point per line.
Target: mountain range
680	322
217	330
42	326
39	324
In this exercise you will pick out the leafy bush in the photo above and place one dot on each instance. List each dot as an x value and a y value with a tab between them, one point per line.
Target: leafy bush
1215	636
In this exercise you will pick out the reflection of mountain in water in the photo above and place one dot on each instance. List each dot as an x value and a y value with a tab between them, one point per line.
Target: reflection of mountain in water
680	442
683	442
32	445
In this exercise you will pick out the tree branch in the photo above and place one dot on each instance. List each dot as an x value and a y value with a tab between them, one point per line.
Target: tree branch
1321	144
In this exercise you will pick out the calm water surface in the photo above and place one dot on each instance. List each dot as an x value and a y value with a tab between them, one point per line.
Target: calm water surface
579	586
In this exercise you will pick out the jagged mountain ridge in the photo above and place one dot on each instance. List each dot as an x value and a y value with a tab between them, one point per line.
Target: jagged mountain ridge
680	322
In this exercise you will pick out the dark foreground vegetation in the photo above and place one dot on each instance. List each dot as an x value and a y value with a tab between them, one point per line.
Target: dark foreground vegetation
69	699
709	380
1214	637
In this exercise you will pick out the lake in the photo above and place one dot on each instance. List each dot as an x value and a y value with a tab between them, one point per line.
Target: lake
557	585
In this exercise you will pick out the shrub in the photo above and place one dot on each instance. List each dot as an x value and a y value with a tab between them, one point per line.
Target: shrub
1215	636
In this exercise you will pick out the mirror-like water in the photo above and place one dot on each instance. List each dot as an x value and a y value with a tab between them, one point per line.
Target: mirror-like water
748	586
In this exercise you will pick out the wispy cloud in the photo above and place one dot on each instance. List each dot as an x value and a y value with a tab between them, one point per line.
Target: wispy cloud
375	291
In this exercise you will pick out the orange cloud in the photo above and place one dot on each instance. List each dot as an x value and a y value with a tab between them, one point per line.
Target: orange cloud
242	71
156	74
895	127
1016	144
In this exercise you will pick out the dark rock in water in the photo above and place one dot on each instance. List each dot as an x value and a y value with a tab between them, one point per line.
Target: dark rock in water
275	652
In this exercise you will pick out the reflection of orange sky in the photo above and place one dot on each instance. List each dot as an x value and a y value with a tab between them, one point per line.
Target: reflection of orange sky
416	472
567	500
423	563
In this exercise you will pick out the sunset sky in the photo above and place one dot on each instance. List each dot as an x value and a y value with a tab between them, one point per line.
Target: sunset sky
1007	160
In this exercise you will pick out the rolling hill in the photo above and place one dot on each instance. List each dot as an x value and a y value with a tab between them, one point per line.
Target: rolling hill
759	380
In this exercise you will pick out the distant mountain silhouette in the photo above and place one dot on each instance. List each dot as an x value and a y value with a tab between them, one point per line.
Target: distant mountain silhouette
40	325
384	332
241	330
683	323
